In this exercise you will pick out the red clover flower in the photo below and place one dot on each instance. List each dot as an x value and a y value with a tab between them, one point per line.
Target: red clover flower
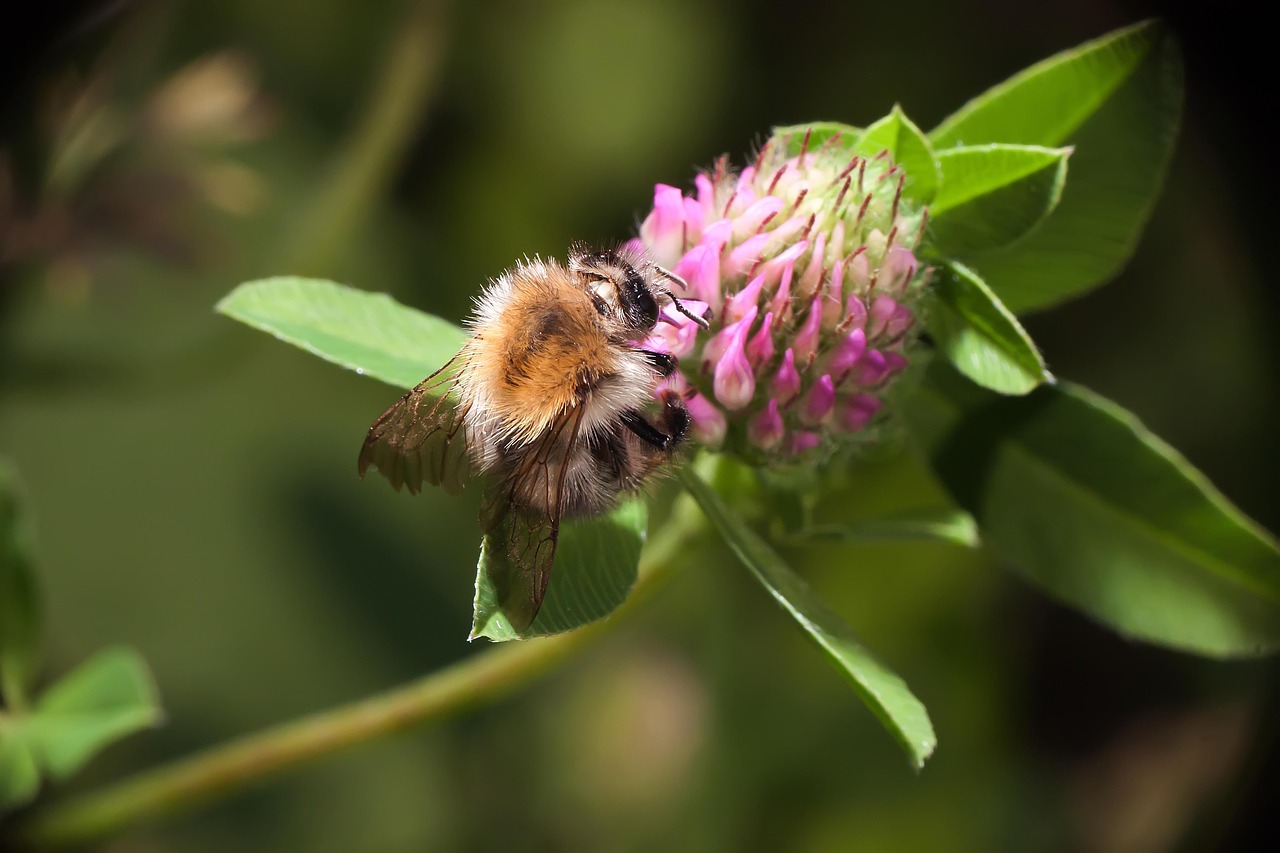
804	265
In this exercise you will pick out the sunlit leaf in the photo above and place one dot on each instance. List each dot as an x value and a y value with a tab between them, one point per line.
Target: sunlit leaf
1082	500
595	568
103	700
909	148
369	333
19	596
992	196
1118	101
980	336
882	690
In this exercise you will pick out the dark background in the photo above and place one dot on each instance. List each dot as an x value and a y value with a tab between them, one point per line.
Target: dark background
193	480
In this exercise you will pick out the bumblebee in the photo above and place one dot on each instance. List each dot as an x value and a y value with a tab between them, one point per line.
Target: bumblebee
547	402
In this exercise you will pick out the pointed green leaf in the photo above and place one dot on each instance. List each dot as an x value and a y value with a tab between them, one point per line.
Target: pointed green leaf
104	699
1118	101
595	568
1045	103
991	196
946	524
19	596
369	333
883	691
980	336
792	137
19	773
909	148
1088	504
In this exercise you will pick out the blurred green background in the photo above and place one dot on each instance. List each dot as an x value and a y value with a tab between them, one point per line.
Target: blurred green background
194	481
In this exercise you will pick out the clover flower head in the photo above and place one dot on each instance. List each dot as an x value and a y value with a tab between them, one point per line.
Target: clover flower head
804	264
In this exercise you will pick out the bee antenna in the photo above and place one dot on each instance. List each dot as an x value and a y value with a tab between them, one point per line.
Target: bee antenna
672	277
701	321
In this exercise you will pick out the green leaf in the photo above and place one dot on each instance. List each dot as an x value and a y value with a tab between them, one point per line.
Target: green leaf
369	333
104	699
945	524
792	137
595	568
991	196
1118	100
1088	504
909	148
980	336
883	691
19	594
19	773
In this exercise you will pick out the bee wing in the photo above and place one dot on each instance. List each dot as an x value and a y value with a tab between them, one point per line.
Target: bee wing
525	539
421	438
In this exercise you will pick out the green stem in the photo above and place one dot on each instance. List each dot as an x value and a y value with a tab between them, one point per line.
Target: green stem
369	158
221	770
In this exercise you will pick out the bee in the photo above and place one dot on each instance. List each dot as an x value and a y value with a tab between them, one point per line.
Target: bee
546	401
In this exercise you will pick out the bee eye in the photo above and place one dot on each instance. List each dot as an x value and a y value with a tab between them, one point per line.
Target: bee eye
638	304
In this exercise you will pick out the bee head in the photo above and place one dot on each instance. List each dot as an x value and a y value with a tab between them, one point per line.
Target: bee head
626	285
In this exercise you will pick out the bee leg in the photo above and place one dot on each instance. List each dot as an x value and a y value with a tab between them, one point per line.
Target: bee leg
645	431
662	362
675	419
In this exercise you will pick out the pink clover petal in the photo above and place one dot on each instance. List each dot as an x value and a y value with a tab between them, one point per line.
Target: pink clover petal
663	231
854	413
760	348
734	381
786	381
835	252
718	234
847	353
672	339
743	197
855	313
693	220
896	270
766	429
819	402
781	236
806	340
835	295
871	369
754	217
780	304
859	273
812	277
706	196
706	422
700	267
902	320
803	442
738	304
744	256
718	346
882	309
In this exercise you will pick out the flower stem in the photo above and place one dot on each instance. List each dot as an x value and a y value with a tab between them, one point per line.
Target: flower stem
224	769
